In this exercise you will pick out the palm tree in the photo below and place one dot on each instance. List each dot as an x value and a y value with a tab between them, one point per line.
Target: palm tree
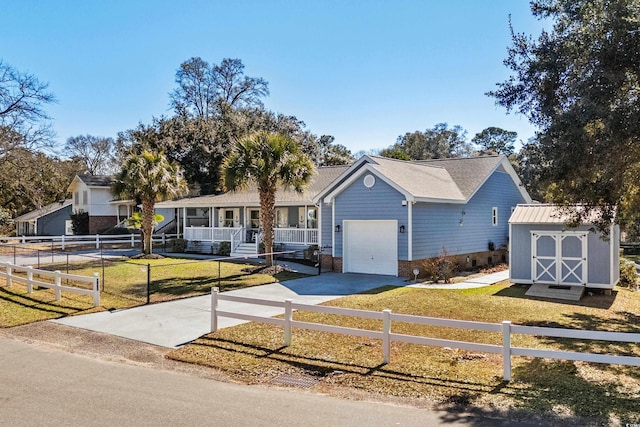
149	177
269	160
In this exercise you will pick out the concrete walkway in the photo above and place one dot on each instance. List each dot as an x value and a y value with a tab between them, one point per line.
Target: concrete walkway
175	323
476	282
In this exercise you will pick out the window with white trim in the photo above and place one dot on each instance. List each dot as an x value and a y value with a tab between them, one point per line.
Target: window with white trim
494	216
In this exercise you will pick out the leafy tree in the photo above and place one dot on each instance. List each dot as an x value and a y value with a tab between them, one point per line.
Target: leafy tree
579	83
30	180
23	122
206	91
440	142
149	177
394	152
333	154
494	140
6	225
268	160
96	152
530	165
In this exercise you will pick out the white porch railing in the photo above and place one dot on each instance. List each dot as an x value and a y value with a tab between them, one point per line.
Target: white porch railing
237	237
303	236
209	234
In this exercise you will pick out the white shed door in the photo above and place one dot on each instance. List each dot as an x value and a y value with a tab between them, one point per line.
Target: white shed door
370	247
559	258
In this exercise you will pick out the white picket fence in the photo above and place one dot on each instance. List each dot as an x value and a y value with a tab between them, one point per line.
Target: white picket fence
8	270
92	239
387	317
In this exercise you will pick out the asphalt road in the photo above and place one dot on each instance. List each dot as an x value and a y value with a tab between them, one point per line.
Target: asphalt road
42	386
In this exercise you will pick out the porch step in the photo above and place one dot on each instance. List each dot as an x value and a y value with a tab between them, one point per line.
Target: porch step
245	249
571	293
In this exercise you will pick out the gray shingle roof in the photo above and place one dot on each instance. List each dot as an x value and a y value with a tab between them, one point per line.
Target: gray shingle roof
322	177
467	173
419	179
96	180
45	210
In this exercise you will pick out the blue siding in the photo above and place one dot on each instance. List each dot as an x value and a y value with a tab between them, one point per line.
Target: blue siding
437	225
326	229
381	202
53	224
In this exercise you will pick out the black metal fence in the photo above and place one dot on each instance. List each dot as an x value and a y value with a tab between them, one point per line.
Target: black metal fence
125	281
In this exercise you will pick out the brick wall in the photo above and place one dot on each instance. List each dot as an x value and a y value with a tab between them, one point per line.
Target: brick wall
100	223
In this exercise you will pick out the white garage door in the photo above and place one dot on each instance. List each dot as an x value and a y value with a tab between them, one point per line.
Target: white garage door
370	247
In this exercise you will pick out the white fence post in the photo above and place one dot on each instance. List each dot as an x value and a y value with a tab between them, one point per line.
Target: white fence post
214	308
29	279
288	313
506	349
386	338
58	283
133	240
62	242
164	239
8	275
96	289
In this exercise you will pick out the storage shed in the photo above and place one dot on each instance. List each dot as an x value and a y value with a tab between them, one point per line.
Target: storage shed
560	262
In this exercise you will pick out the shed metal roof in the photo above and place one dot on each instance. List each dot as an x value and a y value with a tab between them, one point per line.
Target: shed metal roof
543	213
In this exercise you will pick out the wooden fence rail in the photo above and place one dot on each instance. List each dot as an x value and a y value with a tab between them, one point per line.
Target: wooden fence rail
8	270
387	317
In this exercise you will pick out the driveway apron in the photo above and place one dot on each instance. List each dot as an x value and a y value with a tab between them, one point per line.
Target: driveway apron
175	323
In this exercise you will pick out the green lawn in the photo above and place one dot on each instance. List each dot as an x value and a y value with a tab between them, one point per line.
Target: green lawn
556	391
125	285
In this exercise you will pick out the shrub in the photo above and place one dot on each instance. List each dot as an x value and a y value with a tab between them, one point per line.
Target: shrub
179	245
80	223
441	267
628	274
224	248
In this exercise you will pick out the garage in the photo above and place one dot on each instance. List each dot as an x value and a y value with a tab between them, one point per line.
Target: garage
371	247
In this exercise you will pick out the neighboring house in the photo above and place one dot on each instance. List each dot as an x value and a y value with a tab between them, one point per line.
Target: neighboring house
235	217
50	220
92	194
378	215
557	261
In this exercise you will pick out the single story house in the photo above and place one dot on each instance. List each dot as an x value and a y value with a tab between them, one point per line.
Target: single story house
560	261
377	215
50	220
92	194
234	217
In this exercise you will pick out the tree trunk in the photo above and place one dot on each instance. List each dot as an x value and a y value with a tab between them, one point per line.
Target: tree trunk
267	204
147	225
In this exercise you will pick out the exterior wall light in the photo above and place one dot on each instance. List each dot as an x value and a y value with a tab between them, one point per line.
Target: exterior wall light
402	228
338	228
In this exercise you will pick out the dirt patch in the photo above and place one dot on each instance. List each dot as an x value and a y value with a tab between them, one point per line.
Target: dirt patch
147	256
272	270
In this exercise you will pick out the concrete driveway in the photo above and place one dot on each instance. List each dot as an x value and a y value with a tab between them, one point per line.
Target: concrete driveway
175	323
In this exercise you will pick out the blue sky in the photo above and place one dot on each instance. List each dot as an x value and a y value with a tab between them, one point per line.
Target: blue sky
363	71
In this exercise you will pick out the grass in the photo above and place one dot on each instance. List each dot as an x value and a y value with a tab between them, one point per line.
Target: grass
554	391
125	285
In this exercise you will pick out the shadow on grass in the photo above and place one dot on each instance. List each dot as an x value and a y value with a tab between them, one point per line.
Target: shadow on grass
543	392
593	301
35	304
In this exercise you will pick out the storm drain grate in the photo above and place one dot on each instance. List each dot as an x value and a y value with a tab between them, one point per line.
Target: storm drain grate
303	381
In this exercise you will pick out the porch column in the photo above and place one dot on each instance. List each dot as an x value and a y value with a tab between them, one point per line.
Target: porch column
184	219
